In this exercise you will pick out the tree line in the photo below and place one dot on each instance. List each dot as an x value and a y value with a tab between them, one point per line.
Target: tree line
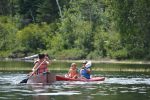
75	29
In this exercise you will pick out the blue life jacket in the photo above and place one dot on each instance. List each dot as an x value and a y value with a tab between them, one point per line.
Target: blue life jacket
84	73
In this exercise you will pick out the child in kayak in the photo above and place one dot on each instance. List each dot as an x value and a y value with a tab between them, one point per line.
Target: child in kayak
85	71
73	71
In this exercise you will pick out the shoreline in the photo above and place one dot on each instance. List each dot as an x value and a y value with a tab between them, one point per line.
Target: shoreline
110	61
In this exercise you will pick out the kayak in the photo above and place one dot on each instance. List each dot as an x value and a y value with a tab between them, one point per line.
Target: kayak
45	78
63	78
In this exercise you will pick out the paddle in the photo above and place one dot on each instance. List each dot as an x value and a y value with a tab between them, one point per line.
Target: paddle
25	80
88	64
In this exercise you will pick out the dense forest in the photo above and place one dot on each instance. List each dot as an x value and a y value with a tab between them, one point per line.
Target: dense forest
75	29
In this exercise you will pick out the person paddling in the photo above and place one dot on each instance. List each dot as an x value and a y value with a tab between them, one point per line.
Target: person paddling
41	65
85	71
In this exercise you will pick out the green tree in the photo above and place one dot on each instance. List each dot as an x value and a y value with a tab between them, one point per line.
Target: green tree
47	11
7	35
4	7
72	33
33	37
131	18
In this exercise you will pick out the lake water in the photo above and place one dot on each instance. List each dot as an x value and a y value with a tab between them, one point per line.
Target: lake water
118	85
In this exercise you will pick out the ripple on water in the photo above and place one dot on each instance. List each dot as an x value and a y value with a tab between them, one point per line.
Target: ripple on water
11	78
3	98
111	86
126	81
61	93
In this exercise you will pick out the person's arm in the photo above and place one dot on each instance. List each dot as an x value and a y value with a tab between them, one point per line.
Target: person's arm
69	71
88	71
77	73
35	66
67	75
48	61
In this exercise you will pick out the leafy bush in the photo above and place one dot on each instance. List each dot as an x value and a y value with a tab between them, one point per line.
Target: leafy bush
7	36
94	55
33	37
119	54
4	54
136	53
71	54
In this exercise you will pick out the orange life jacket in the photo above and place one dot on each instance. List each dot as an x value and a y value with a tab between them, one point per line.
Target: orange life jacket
72	73
42	68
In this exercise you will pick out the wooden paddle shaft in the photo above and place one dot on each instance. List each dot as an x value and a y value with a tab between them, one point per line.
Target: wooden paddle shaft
37	68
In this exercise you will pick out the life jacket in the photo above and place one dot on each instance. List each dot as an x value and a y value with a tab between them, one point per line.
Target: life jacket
42	68
72	73
84	73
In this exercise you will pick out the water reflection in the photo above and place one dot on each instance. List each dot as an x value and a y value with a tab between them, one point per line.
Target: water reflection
38	88
48	92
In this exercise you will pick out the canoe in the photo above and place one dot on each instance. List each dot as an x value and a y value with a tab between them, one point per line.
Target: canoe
45	78
63	78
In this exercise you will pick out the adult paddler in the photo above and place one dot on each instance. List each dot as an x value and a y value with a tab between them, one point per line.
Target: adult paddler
41	65
85	71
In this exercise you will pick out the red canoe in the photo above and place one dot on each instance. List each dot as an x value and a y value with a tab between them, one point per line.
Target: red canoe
63	78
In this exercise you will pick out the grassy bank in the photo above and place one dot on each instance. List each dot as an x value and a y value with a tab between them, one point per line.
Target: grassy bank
63	65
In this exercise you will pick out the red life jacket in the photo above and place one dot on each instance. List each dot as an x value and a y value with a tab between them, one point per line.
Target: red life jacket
42	68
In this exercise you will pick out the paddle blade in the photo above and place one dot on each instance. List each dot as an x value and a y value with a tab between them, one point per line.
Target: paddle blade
24	81
88	64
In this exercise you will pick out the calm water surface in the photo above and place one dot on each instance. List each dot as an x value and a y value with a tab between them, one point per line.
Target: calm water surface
117	86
